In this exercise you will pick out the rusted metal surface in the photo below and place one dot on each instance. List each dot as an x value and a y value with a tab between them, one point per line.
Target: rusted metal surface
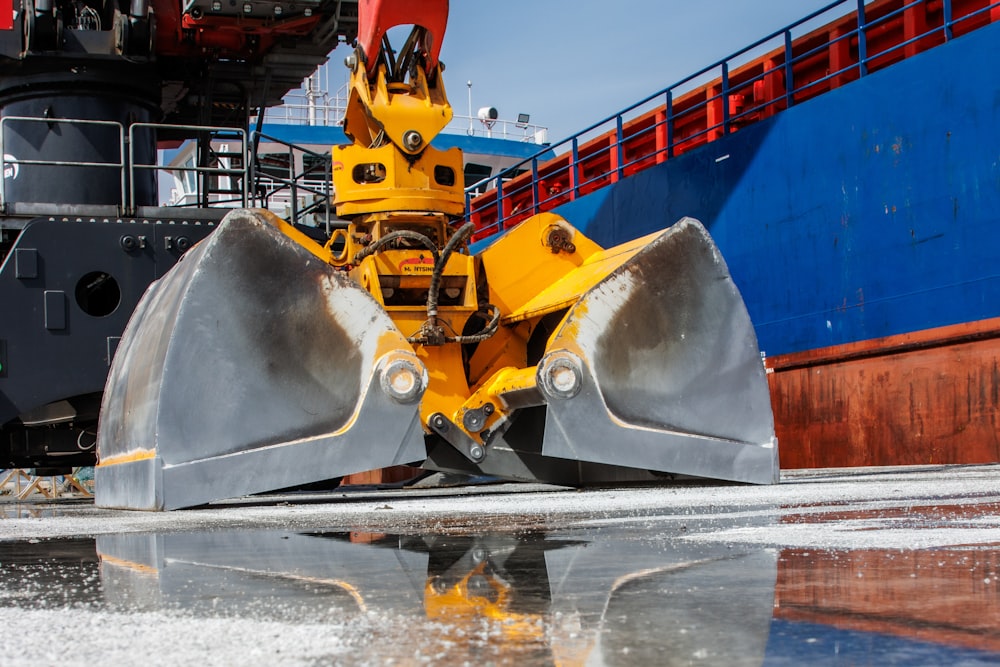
391	475
918	398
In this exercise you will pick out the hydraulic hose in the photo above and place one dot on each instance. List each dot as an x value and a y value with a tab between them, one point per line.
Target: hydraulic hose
430	332
400	234
487	331
458	238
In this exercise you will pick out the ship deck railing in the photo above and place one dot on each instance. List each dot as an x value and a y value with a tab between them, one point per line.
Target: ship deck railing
225	172
298	187
220	175
765	78
221	170
316	108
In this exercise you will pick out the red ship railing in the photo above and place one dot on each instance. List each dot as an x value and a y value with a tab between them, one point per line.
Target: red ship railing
689	114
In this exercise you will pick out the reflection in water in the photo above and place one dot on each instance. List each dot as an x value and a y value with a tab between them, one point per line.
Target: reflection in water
941	596
711	613
614	596
541	599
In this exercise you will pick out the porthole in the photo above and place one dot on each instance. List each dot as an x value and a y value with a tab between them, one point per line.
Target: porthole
98	294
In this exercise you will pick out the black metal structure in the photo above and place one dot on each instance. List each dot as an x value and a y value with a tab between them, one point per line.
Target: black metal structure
89	90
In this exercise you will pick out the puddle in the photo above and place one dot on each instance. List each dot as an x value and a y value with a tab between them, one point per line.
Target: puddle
42	510
608	596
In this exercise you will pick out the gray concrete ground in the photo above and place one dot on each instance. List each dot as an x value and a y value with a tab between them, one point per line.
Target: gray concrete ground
870	566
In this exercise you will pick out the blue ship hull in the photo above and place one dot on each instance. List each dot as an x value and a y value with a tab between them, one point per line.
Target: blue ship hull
870	211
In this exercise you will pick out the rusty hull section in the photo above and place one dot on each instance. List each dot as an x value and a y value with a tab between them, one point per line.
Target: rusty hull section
930	397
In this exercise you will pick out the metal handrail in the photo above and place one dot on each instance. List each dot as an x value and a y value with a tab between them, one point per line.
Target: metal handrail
616	122
6	160
682	82
297	182
226	133
332	115
126	163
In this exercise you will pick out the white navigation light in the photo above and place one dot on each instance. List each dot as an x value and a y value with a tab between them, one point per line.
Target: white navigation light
488	116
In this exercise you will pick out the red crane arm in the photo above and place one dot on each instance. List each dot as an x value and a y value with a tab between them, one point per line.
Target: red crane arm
376	17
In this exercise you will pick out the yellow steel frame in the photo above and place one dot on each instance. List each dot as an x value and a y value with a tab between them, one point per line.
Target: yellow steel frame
391	178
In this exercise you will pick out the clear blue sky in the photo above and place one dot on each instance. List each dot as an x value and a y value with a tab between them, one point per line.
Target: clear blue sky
570	63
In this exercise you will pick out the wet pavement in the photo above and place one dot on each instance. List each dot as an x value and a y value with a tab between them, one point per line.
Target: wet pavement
870	567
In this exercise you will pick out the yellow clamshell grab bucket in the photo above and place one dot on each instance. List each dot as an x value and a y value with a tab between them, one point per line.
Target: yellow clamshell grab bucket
253	366
263	361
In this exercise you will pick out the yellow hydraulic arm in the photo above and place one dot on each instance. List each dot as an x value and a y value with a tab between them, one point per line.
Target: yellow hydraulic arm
396	106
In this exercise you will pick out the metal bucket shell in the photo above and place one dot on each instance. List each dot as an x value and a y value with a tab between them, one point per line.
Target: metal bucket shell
251	366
